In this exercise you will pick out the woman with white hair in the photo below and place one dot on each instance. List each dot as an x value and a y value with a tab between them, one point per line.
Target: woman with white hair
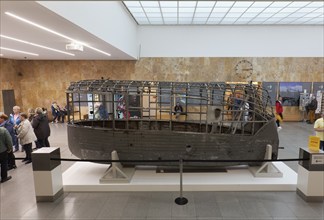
15	120
26	135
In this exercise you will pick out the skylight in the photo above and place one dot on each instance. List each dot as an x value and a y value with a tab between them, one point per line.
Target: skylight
227	12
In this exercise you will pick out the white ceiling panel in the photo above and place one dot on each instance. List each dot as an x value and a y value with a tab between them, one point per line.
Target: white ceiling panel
280	4
186	15
244	19
227	10
217	15
169	4
204	10
187	4
215	10
186	10
152	10
136	9
150	4
225	4
170	15
255	10
249	15
168	10
235	15
299	4
261	4
207	4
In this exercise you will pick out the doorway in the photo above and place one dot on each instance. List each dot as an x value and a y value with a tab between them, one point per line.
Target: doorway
8	98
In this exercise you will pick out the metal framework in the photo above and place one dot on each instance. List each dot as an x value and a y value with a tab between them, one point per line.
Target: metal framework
215	107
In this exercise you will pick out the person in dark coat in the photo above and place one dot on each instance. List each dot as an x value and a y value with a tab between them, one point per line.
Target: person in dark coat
4	122
178	110
5	147
311	108
55	112
41	128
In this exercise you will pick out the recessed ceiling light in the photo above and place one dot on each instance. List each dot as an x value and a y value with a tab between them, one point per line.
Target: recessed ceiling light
18	51
54	32
36	45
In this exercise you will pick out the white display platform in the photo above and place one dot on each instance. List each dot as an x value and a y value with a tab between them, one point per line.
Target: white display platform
84	177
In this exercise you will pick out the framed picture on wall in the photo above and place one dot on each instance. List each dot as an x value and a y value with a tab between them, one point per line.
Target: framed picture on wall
272	88
290	92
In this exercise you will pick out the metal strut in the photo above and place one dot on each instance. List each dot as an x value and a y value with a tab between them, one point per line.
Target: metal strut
267	169
116	172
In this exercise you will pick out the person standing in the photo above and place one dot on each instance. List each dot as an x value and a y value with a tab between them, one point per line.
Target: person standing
319	129
15	120
121	108
5	123
5	148
311	107
27	136
229	102
279	111
237	106
41	128
63	113
30	114
55	112
100	112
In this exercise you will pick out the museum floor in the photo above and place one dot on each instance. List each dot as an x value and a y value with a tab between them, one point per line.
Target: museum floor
17	199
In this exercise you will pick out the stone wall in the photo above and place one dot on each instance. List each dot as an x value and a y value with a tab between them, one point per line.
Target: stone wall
10	80
223	69
42	82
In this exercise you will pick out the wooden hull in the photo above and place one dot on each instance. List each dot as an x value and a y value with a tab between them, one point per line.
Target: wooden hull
97	143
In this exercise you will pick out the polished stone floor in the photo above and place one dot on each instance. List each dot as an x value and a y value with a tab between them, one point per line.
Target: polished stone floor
17	199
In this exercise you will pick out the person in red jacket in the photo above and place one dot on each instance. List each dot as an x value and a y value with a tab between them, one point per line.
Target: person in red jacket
279	111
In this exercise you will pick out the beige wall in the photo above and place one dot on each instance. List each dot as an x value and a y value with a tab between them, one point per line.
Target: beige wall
10	80
45	81
223	69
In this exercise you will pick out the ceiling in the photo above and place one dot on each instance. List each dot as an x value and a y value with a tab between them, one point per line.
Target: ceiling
14	28
227	12
32	39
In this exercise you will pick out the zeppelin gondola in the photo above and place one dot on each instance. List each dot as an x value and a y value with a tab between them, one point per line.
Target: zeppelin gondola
140	120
